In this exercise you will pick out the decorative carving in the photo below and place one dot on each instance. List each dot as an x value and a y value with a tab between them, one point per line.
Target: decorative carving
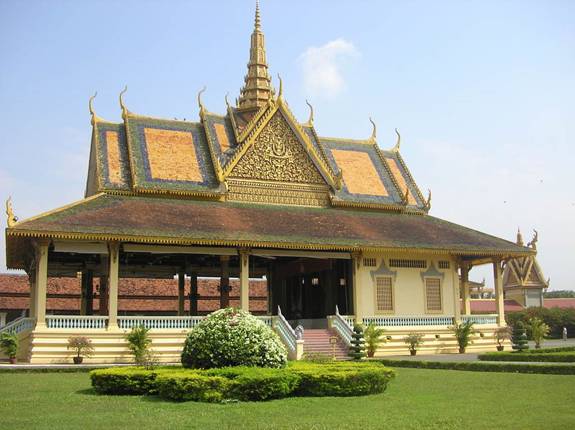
245	190
277	155
533	243
12	219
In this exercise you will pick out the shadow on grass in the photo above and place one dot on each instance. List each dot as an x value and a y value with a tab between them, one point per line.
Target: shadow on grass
87	392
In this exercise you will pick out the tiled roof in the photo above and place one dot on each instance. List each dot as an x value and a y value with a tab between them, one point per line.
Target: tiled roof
178	221
488	306
559	303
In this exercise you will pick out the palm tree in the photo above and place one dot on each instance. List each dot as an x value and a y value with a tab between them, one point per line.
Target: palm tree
538	330
463	332
372	335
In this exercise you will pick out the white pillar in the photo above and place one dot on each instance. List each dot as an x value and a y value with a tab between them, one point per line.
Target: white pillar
456	296
244	280
499	298
41	283
113	277
465	288
357	304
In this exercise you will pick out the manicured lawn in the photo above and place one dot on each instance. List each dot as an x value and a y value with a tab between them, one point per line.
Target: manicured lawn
416	399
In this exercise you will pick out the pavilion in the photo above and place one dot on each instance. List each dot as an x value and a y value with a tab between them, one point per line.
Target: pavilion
337	227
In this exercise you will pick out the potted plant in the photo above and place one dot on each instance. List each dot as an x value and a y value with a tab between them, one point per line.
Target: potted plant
519	337
502	334
82	347
413	340
463	332
538	330
9	345
139	342
373	338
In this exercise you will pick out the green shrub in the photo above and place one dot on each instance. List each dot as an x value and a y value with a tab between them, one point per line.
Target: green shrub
547	350
554	357
463	332
538	331
341	380
81	345
373	338
232	337
413	341
475	366
519	337
9	344
555	318
357	347
129	380
190	385
139	343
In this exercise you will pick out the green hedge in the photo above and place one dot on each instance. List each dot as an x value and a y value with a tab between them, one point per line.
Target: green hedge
246	383
556	357
555	318
548	350
478	366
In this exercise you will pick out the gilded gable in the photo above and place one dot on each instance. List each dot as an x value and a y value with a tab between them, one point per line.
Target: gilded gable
277	155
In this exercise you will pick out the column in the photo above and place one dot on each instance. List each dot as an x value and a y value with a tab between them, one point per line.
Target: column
225	281
181	292
499	298
456	296
32	282
88	278
113	277
193	293
41	283
244	280
465	288
81	279
357	304
104	293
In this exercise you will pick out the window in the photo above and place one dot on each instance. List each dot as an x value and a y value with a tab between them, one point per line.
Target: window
444	265
433	294
419	264
369	262
383	294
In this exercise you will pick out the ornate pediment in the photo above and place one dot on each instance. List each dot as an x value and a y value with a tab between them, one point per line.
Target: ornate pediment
277	155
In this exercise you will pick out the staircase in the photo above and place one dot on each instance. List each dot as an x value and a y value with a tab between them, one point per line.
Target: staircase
316	341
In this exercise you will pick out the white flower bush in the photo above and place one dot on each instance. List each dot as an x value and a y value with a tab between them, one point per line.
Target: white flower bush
232	337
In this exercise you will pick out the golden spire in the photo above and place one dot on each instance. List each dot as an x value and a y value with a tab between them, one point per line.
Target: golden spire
519	237
12	219
257	88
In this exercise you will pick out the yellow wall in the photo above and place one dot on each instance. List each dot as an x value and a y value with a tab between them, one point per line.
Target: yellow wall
408	286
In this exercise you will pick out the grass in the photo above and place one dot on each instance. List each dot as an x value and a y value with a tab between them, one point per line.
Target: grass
416	399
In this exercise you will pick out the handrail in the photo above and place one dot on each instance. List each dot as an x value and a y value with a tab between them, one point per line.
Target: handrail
19	325
285	331
266	319
341	326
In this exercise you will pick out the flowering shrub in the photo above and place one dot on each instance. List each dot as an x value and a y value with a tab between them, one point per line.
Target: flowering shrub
232	337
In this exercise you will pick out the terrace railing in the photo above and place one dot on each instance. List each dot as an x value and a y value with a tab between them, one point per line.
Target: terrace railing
343	326
76	321
266	319
285	331
159	322
409	321
480	319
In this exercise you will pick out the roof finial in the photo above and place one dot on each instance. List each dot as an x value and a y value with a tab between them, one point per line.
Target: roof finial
519	237
374	131
257	20
310	119
281	91
12	219
91	108
405	197
398	143
200	105
227	101
533	243
428	202
122	105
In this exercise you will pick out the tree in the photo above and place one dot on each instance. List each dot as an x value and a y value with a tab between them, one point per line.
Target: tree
357	348
538	331
519	337
463	332
559	294
373	339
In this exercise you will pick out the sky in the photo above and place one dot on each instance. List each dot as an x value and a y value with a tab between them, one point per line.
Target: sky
482	93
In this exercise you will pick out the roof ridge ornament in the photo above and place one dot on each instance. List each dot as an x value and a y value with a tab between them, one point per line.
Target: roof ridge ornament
533	243
227	101
11	218
281	91
405	197
310	119
373	136
520	238
398	143
200	104
125	110
428	201
91	108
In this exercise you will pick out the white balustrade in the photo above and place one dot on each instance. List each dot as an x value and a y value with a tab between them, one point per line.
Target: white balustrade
266	319
19	325
480	319
409	321
76	321
343	325
285	331
159	322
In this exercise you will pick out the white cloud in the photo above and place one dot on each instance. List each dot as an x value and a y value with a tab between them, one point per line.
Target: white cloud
322	67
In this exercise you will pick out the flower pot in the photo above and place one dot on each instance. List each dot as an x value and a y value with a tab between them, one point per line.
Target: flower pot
370	354
461	350
12	360
500	347
412	351
78	360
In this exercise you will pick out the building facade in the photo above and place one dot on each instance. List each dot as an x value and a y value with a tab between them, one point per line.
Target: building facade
337	227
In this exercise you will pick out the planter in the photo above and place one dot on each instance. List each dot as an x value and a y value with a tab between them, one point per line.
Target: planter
78	360
500	347
412	352
12	360
461	350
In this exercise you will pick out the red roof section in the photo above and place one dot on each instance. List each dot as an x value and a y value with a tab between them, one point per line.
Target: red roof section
559	303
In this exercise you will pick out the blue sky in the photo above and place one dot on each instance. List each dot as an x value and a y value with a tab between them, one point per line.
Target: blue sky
482	92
